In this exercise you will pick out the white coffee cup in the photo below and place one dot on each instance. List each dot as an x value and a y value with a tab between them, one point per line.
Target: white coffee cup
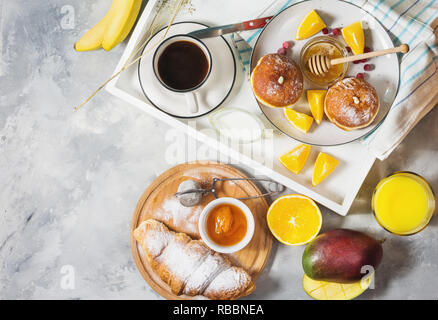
190	94
202	225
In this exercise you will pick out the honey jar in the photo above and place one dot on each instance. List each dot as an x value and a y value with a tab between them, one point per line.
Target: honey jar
327	46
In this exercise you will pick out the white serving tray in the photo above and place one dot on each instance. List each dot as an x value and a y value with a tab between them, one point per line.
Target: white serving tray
336	193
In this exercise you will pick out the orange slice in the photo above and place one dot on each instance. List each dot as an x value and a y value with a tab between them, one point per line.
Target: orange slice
295	159
316	103
299	120
354	37
294	219
324	165
324	290
311	24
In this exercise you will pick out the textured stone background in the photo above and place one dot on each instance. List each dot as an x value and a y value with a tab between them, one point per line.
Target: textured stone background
70	181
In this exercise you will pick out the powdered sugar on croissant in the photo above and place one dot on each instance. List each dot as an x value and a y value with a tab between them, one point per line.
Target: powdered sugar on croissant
189	266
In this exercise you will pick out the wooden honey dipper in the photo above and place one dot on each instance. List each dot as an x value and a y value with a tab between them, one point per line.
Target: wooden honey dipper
320	64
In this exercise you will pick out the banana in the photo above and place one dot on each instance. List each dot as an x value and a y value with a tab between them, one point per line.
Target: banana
93	38
113	28
122	22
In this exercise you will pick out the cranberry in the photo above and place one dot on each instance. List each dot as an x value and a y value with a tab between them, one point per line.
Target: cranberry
367	49
325	31
286	45
282	51
356	62
336	31
363	60
368	67
348	49
360	75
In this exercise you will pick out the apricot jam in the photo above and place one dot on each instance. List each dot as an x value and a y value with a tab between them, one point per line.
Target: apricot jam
226	225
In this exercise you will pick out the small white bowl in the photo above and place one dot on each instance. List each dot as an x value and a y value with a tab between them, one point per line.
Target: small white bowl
249	230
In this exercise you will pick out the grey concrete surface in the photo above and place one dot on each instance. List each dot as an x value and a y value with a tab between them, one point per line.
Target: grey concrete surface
70	181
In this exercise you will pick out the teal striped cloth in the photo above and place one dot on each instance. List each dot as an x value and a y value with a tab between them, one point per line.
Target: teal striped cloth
413	22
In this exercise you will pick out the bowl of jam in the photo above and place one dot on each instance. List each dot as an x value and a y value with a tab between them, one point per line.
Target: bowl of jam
226	225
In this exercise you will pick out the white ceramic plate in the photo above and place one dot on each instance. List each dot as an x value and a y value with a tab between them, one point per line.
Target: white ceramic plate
212	93
335	13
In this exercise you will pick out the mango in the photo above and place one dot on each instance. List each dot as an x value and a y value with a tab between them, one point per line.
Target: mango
341	255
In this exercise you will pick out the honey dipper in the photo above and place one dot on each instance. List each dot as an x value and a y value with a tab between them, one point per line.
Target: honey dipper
320	64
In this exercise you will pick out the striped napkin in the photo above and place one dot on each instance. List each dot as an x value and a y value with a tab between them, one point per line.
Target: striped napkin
413	22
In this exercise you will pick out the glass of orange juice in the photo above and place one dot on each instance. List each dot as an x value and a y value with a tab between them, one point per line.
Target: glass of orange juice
403	203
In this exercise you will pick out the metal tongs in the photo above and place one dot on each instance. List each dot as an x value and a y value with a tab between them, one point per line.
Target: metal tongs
274	187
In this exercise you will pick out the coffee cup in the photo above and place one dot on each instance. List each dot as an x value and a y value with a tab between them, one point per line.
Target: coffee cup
182	64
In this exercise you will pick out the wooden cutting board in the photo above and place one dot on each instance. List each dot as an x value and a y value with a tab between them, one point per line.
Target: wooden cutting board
158	202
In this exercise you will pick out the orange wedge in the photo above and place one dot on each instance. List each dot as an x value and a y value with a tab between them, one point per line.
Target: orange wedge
324	290
299	120
316	102
324	165
354	37
311	24
295	159
294	219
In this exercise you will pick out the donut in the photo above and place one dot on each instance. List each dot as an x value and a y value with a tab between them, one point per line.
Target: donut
277	81
351	104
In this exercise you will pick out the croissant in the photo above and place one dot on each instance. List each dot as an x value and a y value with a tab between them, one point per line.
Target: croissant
188	266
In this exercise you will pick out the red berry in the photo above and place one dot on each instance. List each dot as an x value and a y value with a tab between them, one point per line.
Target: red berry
336	31
286	44
348	49
367	49
325	31
367	67
363	60
360	75
282	51
356	62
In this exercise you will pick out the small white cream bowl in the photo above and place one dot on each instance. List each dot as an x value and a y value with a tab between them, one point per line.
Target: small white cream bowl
249	222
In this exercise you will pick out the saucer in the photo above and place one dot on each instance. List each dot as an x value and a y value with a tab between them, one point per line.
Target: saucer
215	89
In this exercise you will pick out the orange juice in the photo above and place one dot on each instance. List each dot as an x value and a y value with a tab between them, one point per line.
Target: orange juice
403	203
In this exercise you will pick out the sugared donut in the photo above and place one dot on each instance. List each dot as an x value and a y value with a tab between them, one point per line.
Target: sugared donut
351	104
277	81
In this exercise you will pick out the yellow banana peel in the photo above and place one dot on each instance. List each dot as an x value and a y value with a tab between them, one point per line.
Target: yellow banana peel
113	28
120	26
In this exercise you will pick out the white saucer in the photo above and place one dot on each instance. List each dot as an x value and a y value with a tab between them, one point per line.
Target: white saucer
385	77
214	91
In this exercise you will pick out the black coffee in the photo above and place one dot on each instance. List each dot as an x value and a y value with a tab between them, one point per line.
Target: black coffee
182	65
